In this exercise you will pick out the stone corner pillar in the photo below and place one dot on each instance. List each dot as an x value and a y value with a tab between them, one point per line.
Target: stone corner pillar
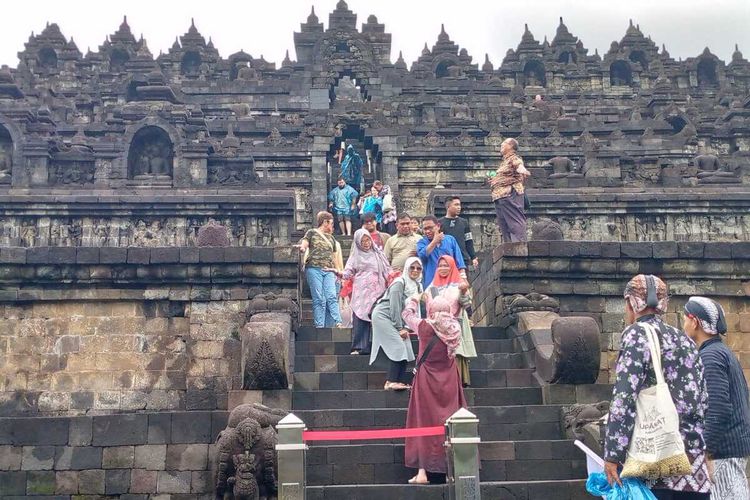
291	458
463	441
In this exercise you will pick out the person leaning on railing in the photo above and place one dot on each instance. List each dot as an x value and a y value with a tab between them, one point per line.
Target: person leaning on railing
322	252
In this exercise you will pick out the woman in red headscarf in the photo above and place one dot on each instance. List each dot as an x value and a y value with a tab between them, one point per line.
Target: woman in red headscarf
436	391
449	284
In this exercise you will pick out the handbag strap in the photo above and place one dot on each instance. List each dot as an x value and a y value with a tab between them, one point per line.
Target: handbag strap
426	352
655	348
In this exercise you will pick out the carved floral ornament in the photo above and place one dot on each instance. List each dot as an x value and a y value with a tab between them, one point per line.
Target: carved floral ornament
433	139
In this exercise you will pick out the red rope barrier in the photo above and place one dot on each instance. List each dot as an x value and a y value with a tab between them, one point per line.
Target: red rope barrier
438	430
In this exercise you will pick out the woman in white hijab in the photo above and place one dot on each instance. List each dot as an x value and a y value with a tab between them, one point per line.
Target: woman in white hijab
388	330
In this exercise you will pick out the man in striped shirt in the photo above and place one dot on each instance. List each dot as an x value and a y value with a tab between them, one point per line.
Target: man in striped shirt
727	426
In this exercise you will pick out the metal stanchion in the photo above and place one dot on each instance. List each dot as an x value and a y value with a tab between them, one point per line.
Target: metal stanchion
291	456
463	442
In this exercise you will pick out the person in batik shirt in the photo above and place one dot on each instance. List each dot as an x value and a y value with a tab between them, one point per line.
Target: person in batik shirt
683	373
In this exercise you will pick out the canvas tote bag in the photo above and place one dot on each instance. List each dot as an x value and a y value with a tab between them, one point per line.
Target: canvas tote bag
656	448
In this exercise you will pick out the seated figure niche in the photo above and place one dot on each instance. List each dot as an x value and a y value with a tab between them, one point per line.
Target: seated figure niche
620	74
47	58
347	90
707	73
191	64
117	60
712	171
6	156
533	74
151	155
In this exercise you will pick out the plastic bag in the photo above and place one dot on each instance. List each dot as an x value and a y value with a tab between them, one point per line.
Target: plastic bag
632	489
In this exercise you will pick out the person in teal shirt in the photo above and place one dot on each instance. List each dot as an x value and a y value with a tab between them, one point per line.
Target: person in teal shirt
342	200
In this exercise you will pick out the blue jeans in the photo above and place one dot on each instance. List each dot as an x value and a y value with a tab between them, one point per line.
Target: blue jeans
325	302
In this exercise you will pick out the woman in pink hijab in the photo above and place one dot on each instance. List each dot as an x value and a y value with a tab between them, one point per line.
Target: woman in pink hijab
436	391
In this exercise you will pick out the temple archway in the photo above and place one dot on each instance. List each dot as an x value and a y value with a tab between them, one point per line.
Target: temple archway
151	155
637	56
620	74
117	60
533	74
6	155
191	63
354	135
707	76
47	58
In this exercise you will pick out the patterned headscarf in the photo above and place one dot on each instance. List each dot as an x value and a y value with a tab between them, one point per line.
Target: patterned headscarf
709	313
636	292
359	257
444	323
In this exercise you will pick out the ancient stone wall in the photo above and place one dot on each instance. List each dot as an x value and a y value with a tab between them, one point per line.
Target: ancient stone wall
687	214
134	454
588	279
131	329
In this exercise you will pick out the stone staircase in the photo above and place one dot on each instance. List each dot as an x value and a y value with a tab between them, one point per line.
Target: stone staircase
524	454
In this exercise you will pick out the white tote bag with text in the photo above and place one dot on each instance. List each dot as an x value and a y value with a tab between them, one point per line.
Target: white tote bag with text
656	448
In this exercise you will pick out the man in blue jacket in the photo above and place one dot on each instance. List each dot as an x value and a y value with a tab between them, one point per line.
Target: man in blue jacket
433	245
727	425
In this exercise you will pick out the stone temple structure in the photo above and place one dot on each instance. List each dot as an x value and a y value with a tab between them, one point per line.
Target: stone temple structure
148	207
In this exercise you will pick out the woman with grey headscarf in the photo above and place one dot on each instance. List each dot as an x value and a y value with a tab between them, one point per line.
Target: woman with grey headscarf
727	429
646	300
389	332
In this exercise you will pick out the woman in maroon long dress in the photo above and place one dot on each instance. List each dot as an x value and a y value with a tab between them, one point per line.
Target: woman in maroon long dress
436	391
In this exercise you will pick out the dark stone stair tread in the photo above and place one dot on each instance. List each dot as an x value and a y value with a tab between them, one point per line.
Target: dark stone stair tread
365	399
574	489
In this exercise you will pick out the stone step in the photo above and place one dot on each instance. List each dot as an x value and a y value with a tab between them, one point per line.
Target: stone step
347	363
574	489
353	399
307	332
497	423
340	348
501	461
313	381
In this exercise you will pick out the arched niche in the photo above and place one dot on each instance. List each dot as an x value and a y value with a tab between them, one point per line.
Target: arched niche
567	57
533	74
638	56
442	70
6	155
117	60
47	57
191	63
620	74
707	75
677	122
343	85
151	155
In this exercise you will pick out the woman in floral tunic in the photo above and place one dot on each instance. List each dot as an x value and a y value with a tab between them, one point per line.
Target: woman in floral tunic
369	269
683	373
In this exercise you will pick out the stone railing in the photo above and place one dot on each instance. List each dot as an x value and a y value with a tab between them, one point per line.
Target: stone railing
588	278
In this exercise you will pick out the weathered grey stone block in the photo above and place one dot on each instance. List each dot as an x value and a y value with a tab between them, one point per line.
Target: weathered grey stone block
173	482
91	482
10	457
80	431
150	457
187	456
118	457
116	430
78	458
38	458
40	482
142	481
116	481
66	482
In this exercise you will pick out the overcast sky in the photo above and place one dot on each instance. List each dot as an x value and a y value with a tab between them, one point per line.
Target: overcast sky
492	26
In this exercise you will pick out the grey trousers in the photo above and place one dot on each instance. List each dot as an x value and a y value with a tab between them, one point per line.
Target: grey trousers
511	217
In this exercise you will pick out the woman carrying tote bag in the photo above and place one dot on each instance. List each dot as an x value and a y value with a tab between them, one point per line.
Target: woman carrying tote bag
646	299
